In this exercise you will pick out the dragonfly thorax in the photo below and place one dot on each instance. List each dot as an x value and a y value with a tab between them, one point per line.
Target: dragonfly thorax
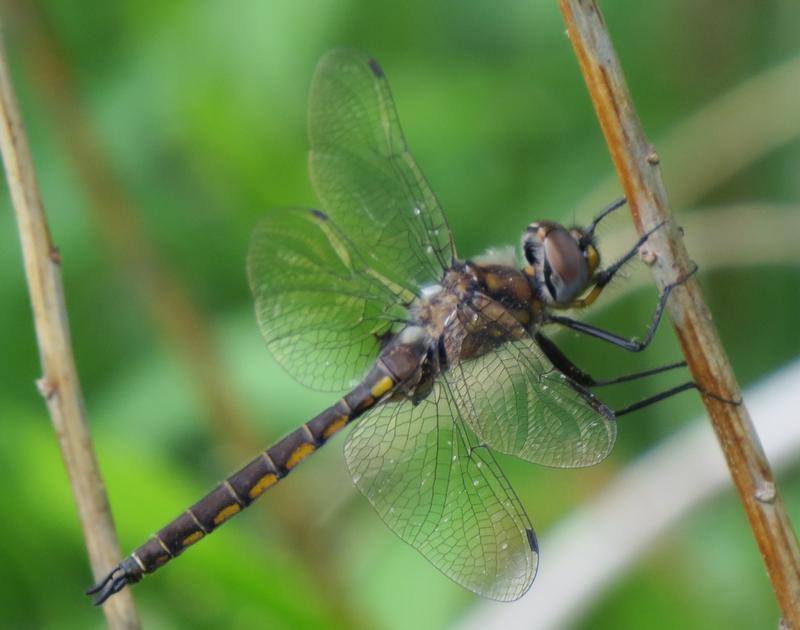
561	262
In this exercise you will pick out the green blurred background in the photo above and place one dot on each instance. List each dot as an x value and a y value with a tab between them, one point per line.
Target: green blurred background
161	131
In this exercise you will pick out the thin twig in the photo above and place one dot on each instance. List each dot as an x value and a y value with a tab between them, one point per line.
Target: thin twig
59	384
150	277
636	163
763	111
641	505
178	316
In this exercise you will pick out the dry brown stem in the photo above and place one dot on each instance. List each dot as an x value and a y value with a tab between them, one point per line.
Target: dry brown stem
636	162
171	306
59	384
148	274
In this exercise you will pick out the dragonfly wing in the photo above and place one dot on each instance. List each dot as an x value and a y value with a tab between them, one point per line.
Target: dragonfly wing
423	471
519	404
365	176
321	309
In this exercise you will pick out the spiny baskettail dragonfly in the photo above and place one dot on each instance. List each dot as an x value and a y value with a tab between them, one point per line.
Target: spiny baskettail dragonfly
448	355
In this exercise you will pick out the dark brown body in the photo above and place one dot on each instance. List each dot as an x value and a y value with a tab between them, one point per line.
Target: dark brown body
450	325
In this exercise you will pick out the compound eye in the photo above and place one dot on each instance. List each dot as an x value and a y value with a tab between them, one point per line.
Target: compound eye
569	273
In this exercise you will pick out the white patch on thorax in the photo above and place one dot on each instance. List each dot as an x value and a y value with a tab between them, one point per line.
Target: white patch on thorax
412	335
503	255
430	290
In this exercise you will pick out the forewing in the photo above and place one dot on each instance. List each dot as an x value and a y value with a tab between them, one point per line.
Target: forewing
428	479
519	404
365	176
321	309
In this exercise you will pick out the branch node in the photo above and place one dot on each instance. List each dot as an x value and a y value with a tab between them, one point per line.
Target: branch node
767	492
47	388
636	162
648	257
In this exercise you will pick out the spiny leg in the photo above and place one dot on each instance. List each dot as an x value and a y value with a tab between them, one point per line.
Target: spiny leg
604	213
632	344
601	279
566	366
651	400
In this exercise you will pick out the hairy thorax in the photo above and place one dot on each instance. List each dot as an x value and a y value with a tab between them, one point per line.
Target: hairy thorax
474	309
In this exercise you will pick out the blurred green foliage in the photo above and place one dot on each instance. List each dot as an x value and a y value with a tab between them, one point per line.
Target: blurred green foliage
199	110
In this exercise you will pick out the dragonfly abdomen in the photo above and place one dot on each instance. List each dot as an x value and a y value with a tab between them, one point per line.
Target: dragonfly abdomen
239	490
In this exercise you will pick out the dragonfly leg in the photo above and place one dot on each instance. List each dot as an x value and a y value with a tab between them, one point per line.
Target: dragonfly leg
602	278
632	344
560	361
565	365
604	213
651	400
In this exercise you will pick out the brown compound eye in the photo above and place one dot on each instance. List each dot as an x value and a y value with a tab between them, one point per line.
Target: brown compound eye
566	269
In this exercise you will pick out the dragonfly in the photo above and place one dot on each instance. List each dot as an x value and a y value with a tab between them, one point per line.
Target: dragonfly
444	360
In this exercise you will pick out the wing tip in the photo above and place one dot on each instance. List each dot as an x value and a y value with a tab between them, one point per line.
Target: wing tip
376	68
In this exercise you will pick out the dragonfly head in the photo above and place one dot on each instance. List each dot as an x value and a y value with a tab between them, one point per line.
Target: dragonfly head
561	261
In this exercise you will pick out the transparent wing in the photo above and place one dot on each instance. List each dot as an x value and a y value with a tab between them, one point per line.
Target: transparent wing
321	309
436	488
365	176
519	404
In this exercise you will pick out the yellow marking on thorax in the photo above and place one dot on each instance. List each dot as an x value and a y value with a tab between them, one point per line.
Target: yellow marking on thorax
493	282
267	481
335	426
225	513
192	538
299	454
382	386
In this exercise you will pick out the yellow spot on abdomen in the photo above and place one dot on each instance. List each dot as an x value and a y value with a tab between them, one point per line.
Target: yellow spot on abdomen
382	386
366	403
262	484
299	454
160	561
225	513
334	426
192	538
